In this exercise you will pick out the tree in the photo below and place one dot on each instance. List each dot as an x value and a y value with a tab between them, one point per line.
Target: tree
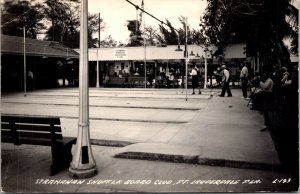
16	15
65	23
293	27
64	18
93	28
151	36
109	42
194	36
261	24
169	35
136	35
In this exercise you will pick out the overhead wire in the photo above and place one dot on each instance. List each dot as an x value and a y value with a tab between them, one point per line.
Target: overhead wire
162	22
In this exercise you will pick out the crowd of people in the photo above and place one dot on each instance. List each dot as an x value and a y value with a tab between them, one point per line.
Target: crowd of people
266	89
270	85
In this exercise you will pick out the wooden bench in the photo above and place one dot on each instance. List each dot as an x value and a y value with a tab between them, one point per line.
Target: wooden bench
137	82
116	81
36	130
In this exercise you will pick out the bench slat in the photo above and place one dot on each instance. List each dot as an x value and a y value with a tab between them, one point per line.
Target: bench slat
41	142
31	119
29	134
7	139
32	127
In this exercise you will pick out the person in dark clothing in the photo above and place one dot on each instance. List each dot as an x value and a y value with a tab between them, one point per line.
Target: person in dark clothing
195	80
225	82
218	76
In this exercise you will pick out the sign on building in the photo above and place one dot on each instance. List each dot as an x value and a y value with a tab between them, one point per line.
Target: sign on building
120	54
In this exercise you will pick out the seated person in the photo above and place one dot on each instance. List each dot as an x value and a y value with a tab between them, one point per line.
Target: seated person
262	91
262	98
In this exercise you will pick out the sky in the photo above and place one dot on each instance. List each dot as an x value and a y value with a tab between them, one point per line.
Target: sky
115	13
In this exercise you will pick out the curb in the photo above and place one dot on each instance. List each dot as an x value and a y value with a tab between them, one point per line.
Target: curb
110	143
109	106
106	119
158	157
200	161
131	97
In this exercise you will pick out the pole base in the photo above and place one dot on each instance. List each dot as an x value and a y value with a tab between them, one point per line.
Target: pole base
82	173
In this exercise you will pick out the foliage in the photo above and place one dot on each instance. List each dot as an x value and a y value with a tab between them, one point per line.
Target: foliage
169	35
64	23
61	16
151	36
16	14
108	42
93	28
261	24
64	16
135	33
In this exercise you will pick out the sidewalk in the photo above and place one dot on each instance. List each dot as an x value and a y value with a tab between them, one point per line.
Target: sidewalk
160	125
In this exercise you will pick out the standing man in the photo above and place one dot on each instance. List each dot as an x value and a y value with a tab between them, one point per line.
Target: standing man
195	80
225	82
244	80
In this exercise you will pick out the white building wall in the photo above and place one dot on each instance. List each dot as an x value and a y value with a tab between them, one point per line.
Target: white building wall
160	53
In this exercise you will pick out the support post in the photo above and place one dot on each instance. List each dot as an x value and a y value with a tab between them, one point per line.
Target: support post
145	65
205	70
25	75
98	84
257	62
186	60
83	164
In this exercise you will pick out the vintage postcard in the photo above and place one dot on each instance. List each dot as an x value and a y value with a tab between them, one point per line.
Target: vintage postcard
186	96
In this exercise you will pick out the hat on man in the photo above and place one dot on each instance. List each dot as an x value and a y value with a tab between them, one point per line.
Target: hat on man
223	66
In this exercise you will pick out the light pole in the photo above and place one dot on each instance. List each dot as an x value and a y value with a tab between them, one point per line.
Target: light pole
205	68
97	84
144	42
186	59
83	164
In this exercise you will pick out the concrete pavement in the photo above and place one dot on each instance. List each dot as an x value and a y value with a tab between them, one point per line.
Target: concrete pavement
161	125
122	175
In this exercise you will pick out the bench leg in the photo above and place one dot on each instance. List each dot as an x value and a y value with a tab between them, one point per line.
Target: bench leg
61	157
58	162
68	154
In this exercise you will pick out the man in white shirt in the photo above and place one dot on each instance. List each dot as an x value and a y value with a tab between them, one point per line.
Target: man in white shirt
225	82
244	80
262	96
195	80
